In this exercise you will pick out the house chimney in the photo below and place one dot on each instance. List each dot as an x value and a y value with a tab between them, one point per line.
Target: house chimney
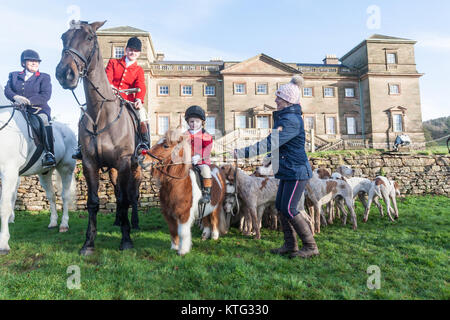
159	56
330	59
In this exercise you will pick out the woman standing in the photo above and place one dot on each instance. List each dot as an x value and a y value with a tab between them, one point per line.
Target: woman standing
286	144
33	89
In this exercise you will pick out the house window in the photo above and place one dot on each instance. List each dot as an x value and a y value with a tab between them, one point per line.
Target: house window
241	121
307	92
331	125
211	125
186	90
328	92
119	52
163	90
391	58
394	89
398	123
163	124
261	88
280	84
309	123
351	125
239	88
210	90
262	122
349	92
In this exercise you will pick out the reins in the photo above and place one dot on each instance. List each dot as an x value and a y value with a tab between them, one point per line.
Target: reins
163	165
12	115
84	74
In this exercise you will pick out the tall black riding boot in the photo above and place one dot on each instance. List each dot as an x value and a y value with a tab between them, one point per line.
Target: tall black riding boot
145	136
78	155
290	239
301	226
49	158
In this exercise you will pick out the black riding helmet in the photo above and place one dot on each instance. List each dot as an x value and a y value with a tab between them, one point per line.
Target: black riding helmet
29	55
134	43
195	112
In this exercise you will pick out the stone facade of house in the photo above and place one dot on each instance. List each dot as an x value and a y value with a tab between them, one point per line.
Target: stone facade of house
366	98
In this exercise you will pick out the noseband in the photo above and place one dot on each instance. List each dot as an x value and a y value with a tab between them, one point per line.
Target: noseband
86	61
162	164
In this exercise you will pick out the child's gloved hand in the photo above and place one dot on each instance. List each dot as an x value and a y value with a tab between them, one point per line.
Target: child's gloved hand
196	159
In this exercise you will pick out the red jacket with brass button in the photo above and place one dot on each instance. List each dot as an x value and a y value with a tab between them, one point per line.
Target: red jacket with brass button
201	144
122	78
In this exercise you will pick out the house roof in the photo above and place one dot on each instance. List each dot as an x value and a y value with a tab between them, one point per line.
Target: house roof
383	37
123	29
218	63
262	56
378	38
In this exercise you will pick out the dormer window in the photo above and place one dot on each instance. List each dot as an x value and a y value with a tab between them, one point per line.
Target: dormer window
391	58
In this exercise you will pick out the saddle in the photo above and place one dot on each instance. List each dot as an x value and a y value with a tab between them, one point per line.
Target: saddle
37	128
137	122
36	132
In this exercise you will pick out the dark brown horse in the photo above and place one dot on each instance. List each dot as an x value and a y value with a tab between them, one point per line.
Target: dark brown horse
107	131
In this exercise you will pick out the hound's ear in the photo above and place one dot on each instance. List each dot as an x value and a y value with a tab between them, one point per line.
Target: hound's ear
97	25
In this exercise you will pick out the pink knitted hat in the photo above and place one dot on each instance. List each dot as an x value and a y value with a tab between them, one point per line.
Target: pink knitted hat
291	91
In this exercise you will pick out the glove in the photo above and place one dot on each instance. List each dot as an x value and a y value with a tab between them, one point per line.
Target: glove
195	159
21	100
138	104
267	161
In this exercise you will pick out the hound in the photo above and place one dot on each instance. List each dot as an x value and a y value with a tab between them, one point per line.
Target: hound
255	193
321	192
388	190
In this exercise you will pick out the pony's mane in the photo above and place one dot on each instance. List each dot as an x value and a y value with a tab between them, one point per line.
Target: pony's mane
173	136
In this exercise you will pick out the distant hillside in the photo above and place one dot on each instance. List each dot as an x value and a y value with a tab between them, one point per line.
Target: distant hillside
437	128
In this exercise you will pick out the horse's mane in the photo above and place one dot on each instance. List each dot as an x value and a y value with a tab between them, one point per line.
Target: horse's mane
77	24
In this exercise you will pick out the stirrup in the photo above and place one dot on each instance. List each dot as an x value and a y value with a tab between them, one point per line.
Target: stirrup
77	155
49	160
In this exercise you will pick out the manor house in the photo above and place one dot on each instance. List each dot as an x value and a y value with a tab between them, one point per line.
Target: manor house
363	99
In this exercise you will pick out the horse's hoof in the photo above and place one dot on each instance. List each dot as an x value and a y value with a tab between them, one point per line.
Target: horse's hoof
116	224
52	227
87	251
364	220
126	246
3	252
396	217
63	229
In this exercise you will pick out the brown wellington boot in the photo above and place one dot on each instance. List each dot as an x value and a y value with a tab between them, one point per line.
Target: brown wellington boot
290	239
206	192
303	230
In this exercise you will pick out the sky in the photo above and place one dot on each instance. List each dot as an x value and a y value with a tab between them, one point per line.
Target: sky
300	31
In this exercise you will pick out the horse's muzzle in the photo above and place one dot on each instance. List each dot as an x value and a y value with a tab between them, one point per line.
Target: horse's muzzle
67	76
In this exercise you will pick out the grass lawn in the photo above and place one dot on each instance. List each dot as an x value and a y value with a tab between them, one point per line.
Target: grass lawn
412	254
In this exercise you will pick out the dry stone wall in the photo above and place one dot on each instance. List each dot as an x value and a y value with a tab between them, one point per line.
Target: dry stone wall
416	175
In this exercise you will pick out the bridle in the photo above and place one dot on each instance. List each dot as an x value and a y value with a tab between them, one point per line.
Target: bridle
162	163
83	71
